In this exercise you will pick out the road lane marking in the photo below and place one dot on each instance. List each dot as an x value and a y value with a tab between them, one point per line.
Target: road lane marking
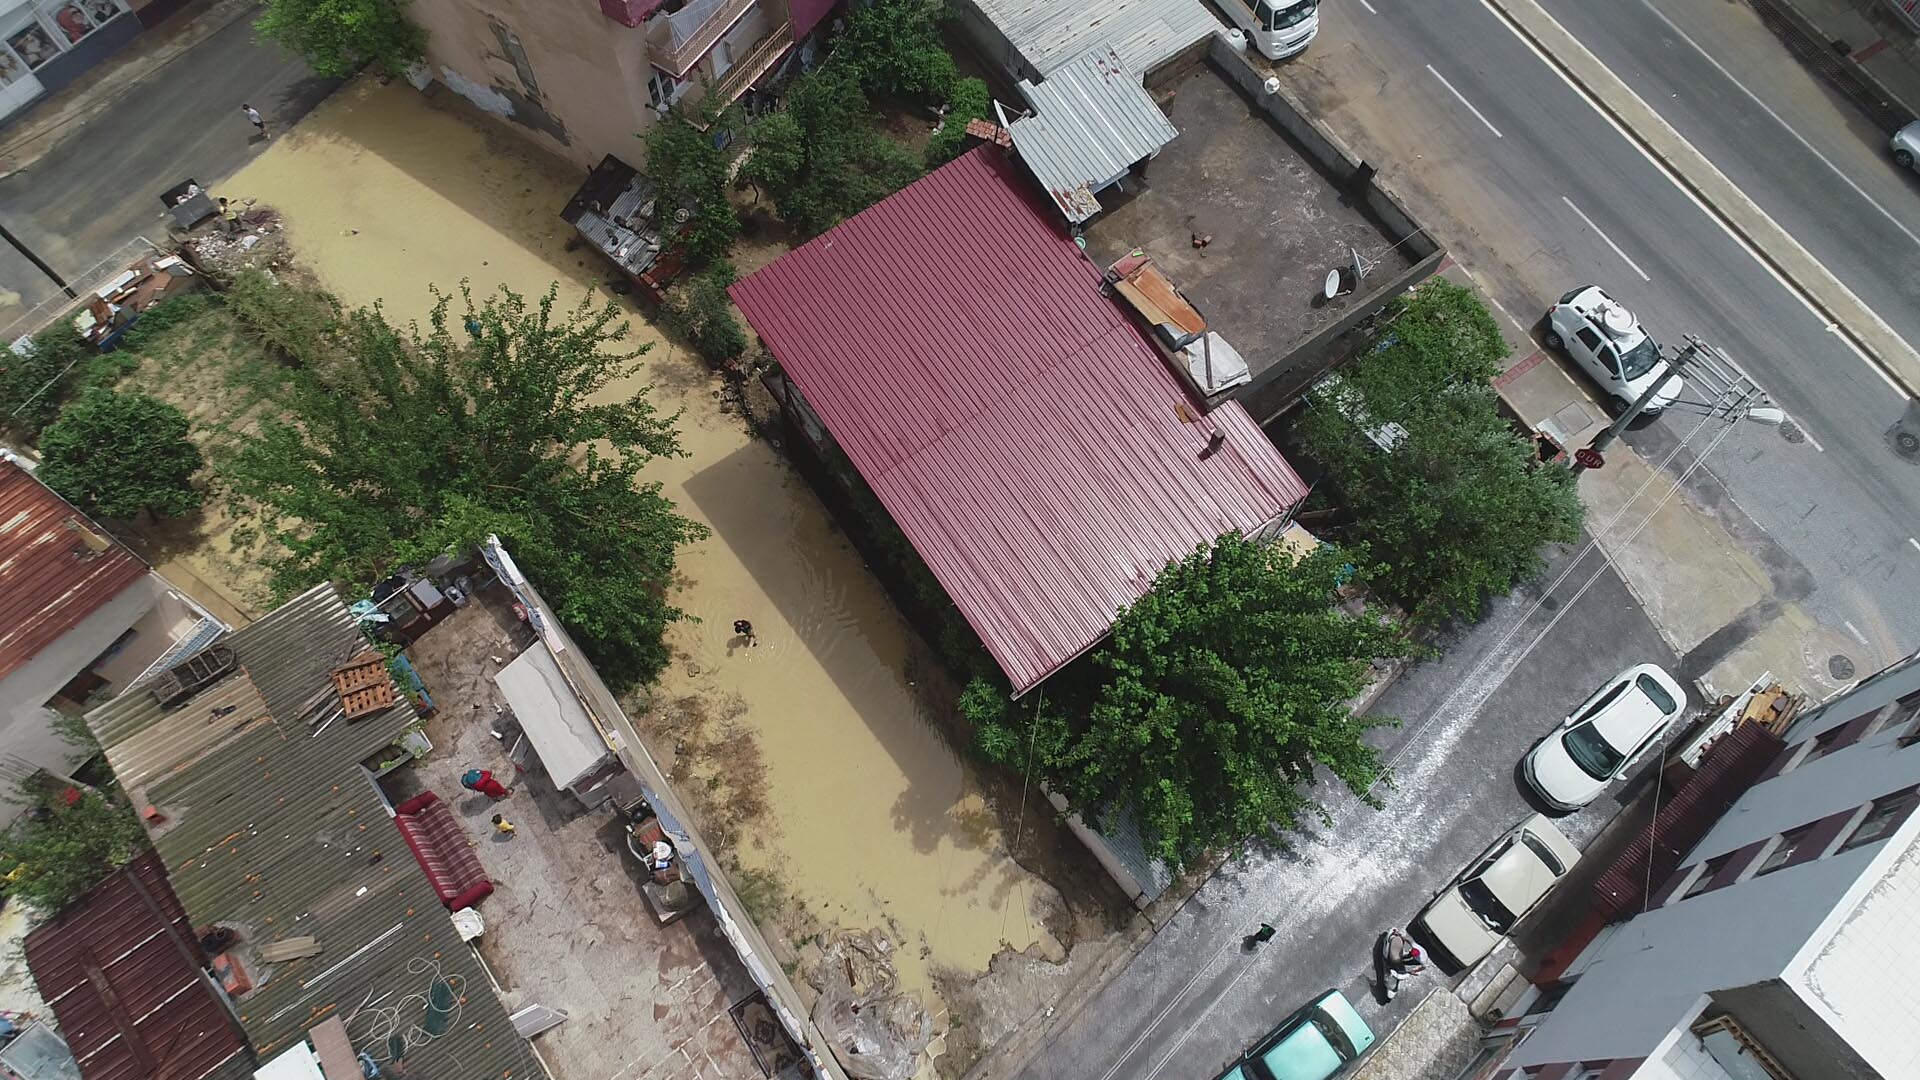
1602	233
1915	543
1755	98
1811	441
1369	7
1463	100
1673	177
1855	631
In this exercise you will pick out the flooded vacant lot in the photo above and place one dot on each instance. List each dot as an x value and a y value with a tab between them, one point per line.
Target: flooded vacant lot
810	752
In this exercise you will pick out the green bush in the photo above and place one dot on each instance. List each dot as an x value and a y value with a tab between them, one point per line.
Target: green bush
821	158
688	170
335	37
60	364
115	455
168	314
699	310
970	101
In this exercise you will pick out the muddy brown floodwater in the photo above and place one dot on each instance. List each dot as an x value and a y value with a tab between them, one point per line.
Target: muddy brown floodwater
871	819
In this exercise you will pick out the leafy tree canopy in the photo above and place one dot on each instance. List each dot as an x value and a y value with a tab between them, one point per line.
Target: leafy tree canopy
58	365
335	37
821	158
65	843
893	48
688	170
1460	509
1213	706
699	309
399	445
116	454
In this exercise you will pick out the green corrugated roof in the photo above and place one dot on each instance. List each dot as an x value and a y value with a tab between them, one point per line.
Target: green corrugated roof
271	827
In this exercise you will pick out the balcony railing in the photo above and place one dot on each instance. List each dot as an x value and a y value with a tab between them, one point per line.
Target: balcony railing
676	42
765	53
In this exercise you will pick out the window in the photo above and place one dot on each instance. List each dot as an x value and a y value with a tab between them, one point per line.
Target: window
1656	693
1907	714
660	89
1789	843
1707	873
1281	14
1641	358
1588	337
1883	816
1823	744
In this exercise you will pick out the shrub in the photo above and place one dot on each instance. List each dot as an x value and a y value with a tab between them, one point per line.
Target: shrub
970	101
700	311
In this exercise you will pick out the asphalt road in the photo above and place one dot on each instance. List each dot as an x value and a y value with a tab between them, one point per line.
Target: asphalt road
1196	997
100	187
1578	202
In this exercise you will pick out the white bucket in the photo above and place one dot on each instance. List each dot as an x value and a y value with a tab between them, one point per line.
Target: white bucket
1236	39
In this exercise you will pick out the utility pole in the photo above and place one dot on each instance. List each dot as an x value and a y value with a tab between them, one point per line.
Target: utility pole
1725	388
7	235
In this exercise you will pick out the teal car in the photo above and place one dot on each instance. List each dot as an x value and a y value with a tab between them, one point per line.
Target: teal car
1316	1043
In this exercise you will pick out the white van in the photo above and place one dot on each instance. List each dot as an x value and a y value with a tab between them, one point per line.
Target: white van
1278	28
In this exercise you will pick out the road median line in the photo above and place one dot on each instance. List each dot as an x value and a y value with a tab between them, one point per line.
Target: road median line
1845	313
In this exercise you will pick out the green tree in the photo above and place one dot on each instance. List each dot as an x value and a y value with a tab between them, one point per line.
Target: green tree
116	454
68	839
397	446
1213	706
336	37
57	365
821	158
688	171
699	310
893	48
970	101
1460	509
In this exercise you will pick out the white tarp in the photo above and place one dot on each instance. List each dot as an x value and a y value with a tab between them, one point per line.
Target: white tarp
551	716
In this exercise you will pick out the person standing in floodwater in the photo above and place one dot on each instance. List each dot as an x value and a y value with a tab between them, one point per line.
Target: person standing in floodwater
743	628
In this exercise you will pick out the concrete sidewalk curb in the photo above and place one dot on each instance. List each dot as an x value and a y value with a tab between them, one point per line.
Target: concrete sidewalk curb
1845	312
1437	1039
39	135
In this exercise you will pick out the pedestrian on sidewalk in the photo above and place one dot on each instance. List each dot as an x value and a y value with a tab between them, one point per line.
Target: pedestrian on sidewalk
482	781
501	825
259	122
1400	959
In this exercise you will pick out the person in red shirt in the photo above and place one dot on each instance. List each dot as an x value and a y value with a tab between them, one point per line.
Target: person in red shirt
482	781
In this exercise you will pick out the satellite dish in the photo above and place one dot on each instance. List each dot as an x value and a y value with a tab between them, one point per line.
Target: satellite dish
1332	287
1617	321
681	215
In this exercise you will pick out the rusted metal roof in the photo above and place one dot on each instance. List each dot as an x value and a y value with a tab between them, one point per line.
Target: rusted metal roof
56	567
1030	442
122	971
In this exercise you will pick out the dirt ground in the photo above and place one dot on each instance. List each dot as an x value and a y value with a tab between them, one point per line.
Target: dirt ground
825	749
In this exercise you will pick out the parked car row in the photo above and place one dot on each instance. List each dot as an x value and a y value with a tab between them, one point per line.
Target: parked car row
1598	743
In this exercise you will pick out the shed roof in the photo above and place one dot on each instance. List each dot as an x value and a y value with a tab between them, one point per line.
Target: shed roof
1092	121
1145	33
270	826
121	971
56	567
551	714
1022	432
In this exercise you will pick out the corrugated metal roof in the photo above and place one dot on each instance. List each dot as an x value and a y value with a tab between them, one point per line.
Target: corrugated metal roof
121	970
1021	431
271	827
1145	33
1092	120
56	567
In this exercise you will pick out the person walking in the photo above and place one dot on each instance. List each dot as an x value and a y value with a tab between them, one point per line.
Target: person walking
501	825
1401	959
482	781
1261	936
259	122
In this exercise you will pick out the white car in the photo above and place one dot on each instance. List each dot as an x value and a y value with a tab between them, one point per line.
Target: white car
1598	333
1604	737
1905	145
1464	923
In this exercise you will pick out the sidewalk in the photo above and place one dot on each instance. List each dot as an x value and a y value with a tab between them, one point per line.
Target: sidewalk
1860	47
25	137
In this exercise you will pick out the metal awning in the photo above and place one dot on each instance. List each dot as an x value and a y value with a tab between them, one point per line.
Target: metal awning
552	717
1093	121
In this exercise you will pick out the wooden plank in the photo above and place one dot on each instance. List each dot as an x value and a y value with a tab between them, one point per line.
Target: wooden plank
292	948
334	1049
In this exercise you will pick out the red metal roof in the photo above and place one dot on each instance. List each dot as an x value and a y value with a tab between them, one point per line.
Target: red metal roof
129	1002
56	567
1022	432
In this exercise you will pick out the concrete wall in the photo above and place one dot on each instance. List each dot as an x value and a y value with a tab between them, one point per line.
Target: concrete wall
1850	980
559	72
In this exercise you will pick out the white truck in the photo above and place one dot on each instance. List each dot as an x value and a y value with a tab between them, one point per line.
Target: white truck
1277	28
